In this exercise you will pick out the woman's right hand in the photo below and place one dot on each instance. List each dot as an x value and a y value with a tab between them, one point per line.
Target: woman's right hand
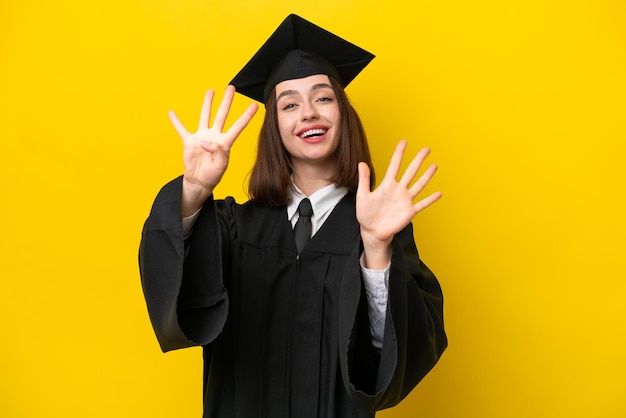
206	152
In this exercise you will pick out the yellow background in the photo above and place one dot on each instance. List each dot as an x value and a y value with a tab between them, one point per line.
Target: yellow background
522	102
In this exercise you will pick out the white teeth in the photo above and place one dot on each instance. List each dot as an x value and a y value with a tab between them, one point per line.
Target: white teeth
312	132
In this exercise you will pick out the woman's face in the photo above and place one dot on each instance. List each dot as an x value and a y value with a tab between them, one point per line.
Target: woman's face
308	120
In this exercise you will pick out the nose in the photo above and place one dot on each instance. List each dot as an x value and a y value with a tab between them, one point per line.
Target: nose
309	111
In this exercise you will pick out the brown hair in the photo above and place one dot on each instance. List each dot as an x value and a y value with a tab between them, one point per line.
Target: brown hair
270	178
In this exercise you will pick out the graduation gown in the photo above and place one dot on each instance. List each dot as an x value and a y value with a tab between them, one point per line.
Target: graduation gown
282	335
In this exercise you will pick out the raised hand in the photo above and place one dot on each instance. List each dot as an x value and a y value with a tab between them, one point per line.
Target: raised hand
390	207
206	152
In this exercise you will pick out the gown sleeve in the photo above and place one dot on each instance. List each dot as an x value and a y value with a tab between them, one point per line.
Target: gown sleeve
182	279
414	337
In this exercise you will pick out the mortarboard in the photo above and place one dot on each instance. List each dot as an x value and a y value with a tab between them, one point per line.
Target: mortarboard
297	49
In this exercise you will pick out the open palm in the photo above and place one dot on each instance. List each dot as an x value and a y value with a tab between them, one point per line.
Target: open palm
389	208
206	152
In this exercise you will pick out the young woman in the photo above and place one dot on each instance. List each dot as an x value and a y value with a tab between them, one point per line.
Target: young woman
341	324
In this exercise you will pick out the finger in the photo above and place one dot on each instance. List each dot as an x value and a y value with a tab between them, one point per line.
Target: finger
421	183
240	124
205	113
211	147
217	153
364	179
424	203
222	111
178	125
414	167
394	163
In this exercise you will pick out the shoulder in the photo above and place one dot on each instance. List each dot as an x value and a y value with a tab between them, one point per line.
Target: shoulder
246	211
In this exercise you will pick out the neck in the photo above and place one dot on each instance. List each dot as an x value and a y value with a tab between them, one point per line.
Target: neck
310	179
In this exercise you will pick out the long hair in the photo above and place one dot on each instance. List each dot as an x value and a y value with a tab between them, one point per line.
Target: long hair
270	178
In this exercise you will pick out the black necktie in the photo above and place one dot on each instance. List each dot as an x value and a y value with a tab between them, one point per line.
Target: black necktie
302	230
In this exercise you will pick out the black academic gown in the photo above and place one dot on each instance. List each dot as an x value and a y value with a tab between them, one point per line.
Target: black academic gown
286	336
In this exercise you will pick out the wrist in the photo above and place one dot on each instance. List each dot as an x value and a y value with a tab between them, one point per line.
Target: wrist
376	253
193	197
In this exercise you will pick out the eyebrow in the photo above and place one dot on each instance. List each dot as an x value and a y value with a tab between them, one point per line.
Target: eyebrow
317	86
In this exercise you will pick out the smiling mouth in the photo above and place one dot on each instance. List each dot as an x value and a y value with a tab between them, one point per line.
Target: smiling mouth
312	133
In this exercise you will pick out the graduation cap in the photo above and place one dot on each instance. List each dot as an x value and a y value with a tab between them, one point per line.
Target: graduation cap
297	49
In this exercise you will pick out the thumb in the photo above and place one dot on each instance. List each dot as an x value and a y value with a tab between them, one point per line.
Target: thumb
182	132
217	151
364	179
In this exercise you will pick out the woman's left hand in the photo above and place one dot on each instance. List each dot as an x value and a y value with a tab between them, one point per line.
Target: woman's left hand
384	212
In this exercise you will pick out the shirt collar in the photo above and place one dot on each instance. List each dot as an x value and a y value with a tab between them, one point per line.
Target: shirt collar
322	201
